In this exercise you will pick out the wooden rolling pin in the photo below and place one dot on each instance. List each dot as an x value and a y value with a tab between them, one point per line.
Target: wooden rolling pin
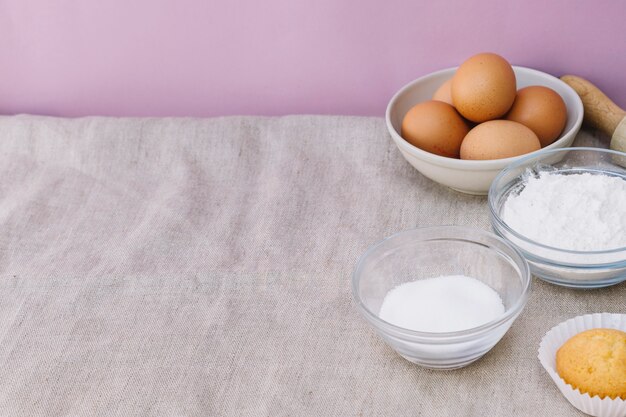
600	112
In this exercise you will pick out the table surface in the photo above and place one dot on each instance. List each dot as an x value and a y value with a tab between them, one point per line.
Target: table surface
194	267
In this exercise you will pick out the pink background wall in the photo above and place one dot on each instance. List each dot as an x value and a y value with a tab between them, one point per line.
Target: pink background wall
221	57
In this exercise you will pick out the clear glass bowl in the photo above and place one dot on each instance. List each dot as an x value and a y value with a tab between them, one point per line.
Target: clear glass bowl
559	266
438	251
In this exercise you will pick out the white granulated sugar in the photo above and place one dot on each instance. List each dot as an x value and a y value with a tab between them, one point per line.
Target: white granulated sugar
581	212
442	304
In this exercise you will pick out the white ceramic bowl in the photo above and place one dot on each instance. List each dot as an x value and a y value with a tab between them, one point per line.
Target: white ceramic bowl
472	177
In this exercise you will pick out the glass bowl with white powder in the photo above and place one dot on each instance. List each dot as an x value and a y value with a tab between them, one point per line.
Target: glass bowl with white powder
443	296
565	210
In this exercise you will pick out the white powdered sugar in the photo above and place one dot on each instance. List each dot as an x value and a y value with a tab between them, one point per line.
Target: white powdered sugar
580	212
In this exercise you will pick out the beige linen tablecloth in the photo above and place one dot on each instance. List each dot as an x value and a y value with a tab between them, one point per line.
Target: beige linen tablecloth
189	267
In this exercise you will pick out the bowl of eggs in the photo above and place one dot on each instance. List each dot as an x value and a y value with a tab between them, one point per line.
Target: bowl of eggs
461	126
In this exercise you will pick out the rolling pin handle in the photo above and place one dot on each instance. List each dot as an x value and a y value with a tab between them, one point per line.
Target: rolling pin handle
600	112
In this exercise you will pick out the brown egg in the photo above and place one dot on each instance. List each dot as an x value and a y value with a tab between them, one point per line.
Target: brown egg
483	88
542	110
498	139
443	93
435	127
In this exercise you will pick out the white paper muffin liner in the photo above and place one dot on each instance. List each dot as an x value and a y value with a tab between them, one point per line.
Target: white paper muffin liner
555	338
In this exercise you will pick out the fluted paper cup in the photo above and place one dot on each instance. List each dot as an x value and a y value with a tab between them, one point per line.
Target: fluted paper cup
556	337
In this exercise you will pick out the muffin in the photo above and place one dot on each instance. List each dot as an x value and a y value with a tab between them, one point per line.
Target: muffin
594	361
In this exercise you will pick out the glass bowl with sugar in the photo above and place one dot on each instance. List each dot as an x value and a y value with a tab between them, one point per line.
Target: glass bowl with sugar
565	211
441	297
